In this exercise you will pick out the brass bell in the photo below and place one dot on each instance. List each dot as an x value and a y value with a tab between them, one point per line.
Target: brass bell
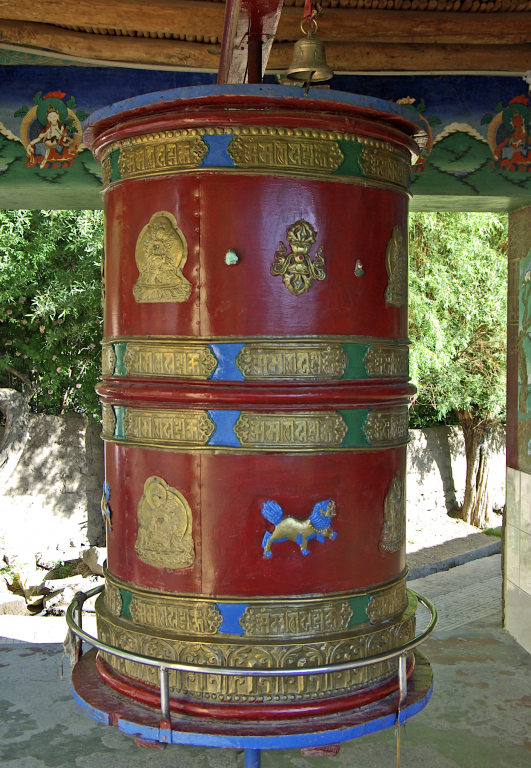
309	62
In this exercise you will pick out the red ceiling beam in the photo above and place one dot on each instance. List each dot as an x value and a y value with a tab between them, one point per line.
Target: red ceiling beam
248	33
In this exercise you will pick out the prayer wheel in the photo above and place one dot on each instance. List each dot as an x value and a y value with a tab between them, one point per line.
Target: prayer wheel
255	395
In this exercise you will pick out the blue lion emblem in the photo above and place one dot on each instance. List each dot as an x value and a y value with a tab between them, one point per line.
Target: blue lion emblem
318	526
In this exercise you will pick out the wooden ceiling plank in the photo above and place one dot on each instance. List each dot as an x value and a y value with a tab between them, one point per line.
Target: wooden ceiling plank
347	25
195	18
360	57
133	50
337	24
381	57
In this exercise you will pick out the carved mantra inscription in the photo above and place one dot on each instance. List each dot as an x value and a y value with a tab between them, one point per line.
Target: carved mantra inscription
296	620
113	599
383	165
108	360
298	430
153	156
108	420
386	360
191	362
290	361
175	427
387	603
186	616
387	427
291	153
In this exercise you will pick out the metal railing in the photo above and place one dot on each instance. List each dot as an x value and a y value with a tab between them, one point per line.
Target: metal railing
76	607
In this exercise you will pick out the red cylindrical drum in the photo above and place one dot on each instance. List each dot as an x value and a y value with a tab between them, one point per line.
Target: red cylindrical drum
255	395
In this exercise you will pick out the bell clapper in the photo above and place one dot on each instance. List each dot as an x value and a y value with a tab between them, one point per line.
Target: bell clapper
308	83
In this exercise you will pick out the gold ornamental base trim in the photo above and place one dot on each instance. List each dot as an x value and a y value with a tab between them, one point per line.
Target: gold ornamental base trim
267	618
214	687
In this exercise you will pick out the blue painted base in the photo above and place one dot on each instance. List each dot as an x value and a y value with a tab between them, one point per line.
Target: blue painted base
105	706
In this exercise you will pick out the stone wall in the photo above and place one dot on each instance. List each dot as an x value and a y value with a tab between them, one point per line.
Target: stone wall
436	471
52	500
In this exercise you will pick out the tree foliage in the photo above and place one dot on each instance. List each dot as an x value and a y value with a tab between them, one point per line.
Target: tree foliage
458	306
458	285
50	306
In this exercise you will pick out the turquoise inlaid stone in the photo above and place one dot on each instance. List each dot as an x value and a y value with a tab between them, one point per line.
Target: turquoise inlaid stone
126	603
356	354
115	170
119	412
350	166
359	607
355	420
119	350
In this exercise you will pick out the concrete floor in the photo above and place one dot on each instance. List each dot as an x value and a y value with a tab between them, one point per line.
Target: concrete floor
479	715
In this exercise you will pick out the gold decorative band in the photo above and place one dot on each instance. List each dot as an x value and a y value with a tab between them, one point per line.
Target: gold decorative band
290	431
270	359
266	149
122	633
267	618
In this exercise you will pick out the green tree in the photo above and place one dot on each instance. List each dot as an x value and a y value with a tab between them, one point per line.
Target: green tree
50	313
458	286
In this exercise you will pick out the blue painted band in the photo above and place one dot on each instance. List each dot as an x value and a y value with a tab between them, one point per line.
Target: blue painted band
95	714
287	741
224	433
231	613
226	355
218	156
276	91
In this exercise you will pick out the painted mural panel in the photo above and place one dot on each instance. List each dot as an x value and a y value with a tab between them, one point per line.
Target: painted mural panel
524	364
477	157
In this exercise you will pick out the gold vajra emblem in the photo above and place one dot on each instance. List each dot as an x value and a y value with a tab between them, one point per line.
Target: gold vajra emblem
164	537
297	268
160	254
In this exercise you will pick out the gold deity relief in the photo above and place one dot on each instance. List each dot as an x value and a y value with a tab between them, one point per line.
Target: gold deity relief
396	262
394	529
164	538
161	253
297	268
